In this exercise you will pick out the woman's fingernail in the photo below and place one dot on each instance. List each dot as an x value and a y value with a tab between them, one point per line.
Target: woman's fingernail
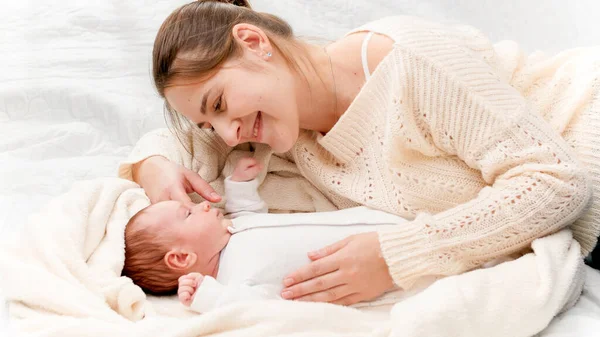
286	294
214	195
288	282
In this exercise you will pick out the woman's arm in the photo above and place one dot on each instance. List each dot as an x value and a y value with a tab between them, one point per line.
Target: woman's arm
454	104
537	185
202	147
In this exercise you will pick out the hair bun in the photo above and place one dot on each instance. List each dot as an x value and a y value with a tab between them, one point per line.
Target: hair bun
239	3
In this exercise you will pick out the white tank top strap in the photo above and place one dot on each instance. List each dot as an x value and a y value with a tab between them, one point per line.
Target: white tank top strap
365	60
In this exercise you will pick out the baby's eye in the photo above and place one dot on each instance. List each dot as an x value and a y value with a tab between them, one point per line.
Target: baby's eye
189	212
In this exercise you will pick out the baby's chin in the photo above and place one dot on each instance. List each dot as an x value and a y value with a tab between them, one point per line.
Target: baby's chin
226	223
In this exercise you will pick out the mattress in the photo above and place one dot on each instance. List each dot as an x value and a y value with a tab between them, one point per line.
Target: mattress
76	92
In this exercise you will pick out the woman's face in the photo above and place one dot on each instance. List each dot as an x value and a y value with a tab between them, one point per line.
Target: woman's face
252	98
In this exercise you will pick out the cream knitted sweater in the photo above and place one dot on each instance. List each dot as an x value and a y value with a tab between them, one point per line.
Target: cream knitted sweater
438	136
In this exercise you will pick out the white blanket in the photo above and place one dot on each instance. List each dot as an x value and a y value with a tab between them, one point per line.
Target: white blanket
62	278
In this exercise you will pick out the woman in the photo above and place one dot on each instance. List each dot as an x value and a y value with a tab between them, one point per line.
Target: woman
401	115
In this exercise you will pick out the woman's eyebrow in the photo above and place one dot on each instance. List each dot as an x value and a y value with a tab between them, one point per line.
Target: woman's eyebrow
204	99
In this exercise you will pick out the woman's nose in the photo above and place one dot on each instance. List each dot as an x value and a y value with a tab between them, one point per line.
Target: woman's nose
231	134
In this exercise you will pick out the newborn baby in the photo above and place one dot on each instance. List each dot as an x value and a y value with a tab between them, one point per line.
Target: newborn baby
216	260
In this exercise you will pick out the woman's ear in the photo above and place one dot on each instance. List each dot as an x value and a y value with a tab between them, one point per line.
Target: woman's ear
180	260
252	39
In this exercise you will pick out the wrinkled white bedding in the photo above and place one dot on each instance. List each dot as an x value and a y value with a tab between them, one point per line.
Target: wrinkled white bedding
75	90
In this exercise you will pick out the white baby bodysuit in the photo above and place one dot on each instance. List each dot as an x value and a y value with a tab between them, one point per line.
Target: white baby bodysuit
264	248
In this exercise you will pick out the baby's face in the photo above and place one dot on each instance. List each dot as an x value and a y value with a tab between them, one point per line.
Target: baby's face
196	228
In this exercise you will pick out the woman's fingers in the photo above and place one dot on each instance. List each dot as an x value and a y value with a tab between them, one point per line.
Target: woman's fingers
323	252
180	195
313	286
201	187
311	270
329	295
348	300
360	273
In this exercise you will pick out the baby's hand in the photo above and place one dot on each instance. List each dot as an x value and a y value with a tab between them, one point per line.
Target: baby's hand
188	284
246	169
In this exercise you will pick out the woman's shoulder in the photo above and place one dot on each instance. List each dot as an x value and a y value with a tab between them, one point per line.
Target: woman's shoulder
393	25
423	37
377	47
416	32
407	31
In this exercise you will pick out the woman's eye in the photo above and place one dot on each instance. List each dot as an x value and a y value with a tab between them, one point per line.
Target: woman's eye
217	105
205	126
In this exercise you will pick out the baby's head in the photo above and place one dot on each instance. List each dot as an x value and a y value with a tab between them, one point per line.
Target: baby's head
169	239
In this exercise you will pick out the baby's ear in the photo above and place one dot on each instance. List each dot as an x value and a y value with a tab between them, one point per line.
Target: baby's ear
180	260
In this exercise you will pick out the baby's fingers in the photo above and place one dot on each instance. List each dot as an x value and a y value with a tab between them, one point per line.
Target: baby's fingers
255	170
183	295
247	162
185	299
189	276
188	282
185	289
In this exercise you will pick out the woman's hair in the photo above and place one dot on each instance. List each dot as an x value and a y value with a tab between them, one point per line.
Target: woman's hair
145	251
197	38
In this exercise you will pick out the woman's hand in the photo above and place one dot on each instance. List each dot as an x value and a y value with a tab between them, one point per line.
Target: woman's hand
349	271
162	180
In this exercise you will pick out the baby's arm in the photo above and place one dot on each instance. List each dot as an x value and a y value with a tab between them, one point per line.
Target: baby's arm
241	190
204	293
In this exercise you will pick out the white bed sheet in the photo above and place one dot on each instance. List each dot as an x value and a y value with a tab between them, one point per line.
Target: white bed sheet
75	89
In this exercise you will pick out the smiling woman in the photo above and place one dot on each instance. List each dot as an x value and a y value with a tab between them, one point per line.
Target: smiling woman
185	69
426	121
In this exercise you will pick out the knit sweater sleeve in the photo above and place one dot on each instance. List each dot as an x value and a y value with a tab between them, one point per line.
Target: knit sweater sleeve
204	152
456	105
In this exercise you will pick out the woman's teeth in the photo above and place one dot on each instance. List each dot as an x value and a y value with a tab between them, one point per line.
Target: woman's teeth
256	125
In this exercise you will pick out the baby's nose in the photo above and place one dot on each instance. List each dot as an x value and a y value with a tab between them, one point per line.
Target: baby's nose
204	206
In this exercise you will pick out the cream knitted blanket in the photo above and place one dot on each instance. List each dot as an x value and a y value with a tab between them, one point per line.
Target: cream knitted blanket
62	278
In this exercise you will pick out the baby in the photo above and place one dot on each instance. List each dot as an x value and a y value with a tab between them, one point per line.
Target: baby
215	260
169	239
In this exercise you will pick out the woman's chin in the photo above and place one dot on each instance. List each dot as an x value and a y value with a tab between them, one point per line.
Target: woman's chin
281	146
